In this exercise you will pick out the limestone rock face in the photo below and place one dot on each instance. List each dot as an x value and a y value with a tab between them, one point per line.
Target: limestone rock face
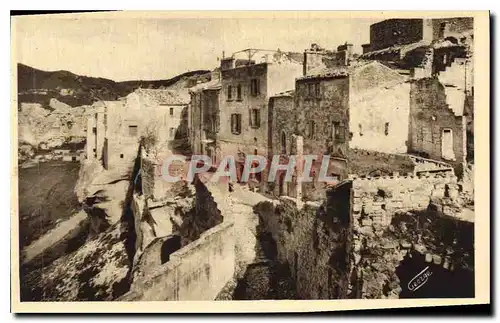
99	270
53	125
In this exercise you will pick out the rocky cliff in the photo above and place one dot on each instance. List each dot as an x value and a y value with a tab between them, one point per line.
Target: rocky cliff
53	125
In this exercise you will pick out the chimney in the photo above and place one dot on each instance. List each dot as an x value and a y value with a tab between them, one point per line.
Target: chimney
226	63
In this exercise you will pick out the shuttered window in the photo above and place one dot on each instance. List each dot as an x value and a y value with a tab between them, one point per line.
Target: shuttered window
236	123
255	118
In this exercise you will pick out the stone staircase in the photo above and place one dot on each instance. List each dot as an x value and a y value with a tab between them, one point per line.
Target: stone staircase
425	165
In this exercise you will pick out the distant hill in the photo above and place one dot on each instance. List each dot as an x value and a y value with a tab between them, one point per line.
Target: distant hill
37	86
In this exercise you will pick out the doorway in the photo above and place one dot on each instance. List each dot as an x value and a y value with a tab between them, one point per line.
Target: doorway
447	145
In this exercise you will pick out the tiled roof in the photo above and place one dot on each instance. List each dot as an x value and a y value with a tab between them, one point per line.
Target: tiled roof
396	49
165	97
335	72
326	73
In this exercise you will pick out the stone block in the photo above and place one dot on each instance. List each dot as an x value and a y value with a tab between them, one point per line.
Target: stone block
368	208
367	231
420	248
390	245
405	244
366	222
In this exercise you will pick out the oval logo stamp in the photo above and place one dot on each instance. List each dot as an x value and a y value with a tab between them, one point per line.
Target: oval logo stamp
420	279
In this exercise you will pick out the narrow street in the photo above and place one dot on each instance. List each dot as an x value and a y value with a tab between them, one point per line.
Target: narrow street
264	278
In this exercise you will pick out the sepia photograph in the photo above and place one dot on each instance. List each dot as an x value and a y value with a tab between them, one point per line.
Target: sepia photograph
228	156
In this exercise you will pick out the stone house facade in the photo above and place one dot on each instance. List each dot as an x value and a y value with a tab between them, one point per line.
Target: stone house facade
365	106
118	126
436	130
96	131
442	105
204	119
246	87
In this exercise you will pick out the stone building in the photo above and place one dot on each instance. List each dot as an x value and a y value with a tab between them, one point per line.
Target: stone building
405	42
96	131
442	101
115	131
204	119
337	113
318	58
246	86
441	122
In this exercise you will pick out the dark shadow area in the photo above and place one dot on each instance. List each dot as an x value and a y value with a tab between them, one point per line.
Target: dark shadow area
440	283
170	246
265	278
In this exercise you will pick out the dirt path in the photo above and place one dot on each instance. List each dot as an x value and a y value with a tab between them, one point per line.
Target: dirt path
53	236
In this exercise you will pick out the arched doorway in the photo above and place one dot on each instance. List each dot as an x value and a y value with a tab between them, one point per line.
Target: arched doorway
169	246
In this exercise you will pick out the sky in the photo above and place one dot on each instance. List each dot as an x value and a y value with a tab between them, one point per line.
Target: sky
149	48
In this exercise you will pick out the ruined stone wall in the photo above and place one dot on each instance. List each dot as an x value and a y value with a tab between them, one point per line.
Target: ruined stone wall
453	26
314	241
196	272
430	116
394	32
379	107
91	137
202	217
393	217
317	60
282	121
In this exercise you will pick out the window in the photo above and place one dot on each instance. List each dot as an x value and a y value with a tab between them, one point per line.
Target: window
238	92
121	155
442	29
94	130
340	136
255	87
360	129
171	111
283	142
255	118
132	130
311	129
386	131
229	93
335	130
317	92
171	133
236	123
